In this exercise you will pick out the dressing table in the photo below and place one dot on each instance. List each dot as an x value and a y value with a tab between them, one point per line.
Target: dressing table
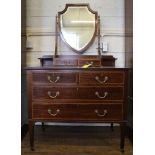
64	89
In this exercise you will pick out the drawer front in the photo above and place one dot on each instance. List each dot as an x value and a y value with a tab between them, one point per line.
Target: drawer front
100	112
65	62
101	93
102	78
55	112
77	112
78	93
94	63
54	93
54	78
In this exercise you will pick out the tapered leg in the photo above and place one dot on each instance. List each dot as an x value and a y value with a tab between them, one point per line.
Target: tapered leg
112	127
43	126
31	133
122	136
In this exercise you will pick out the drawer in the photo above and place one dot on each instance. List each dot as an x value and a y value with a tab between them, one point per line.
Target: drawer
65	112
65	62
94	62
54	78
80	93
77	112
54	93
102	78
100	112
101	93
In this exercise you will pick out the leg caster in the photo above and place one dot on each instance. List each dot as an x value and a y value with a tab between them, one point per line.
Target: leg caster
122	150
32	148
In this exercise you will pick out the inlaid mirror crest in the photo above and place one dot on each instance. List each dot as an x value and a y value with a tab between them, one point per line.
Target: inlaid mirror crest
77	26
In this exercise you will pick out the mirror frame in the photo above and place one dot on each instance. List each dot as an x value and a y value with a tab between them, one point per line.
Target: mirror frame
81	51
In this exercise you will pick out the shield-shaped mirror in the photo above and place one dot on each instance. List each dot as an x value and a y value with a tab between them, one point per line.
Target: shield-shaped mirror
78	26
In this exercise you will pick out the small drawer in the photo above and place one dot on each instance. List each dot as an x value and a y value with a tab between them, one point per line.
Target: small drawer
65	62
54	93
101	93
54	112
100	112
54	77
102	78
93	62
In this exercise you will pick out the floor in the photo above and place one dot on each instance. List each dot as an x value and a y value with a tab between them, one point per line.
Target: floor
73	140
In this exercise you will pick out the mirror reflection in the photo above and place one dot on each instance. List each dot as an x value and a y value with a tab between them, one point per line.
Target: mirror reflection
77	26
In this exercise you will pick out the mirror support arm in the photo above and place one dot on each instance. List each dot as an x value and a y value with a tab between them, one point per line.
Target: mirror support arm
56	36
99	36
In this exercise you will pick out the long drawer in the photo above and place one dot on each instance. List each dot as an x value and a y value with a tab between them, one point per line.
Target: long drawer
54	78
77	112
79	93
101	78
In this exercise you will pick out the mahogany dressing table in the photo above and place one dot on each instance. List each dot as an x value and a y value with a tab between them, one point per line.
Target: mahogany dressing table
64	89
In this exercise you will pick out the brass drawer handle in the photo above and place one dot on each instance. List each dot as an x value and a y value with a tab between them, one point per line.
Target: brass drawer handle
101	115
56	80
91	63
53	114
49	94
105	95
98	79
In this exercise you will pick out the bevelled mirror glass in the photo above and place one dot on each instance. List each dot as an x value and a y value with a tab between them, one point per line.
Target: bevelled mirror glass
78	26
